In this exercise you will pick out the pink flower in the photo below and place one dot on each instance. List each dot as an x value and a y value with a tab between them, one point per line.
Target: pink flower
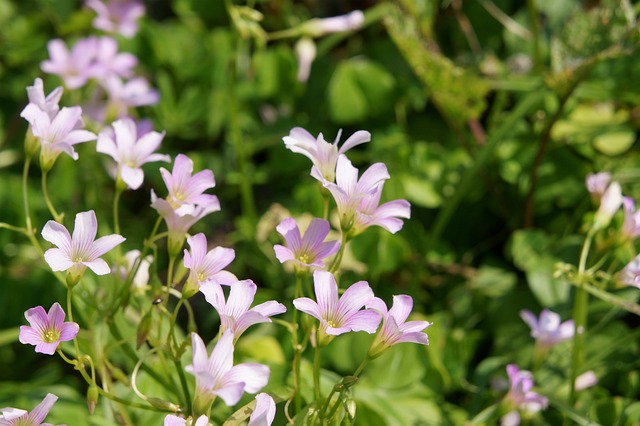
597	184
264	412
130	150
609	205
308	251
217	376
548	331
117	16
75	67
77	252
125	95
339	315
323	155
520	397
179	224
206	265
235	314
17	417
47	329
305	50
348	22
108	62
37	99
387	215
395	327
349	191
186	190
57	134
631	226
630	274
173	420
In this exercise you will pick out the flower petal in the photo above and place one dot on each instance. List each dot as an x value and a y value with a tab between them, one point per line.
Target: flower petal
38	414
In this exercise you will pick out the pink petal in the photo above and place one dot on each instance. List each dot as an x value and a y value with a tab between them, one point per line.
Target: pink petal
254	376
366	320
68	331
402	305
315	234
326	291
56	316
38	414
359	137
133	177
84	232
283	254
29	335
353	299
240	298
98	266
214	295
372	176
308	306
288	228
264	411
58	260
221	360
230	393
103	244
58	235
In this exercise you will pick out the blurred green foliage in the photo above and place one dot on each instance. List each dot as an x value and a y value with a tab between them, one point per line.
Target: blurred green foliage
488	116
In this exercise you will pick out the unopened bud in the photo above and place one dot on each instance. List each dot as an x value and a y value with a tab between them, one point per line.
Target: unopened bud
92	398
349	381
163	405
143	329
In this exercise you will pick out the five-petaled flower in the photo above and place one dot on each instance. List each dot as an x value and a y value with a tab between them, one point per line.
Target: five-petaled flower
308	251
37	99
235	314
395	327
16	417
80	251
130	150
117	16
186	190
206	265
323	155
47	330
349	191
548	330
520	398
339	315
370	213
58	133
217	376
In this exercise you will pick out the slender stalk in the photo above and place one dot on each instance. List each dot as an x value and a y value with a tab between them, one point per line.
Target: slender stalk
183	383
580	309
25	194
535	35
338	259
128	350
70	314
116	220
57	217
103	392
316	376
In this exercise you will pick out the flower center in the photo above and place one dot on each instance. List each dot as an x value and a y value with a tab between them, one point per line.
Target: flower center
51	335
77	259
201	277
304	258
332	324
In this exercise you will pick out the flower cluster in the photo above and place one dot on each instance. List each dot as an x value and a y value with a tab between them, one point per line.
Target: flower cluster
97	58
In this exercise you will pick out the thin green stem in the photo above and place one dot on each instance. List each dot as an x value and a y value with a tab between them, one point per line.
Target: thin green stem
316	376
116	220
25	194
580	309
70	314
57	217
115	331
183	383
535	35
338	259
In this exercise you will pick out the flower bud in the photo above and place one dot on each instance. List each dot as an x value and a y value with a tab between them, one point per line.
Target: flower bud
143	329
92	397
609	205
163	405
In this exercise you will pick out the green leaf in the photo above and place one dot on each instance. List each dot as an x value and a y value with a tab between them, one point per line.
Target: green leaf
420	191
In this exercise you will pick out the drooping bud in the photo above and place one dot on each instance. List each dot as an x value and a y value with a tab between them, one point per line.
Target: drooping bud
92	397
